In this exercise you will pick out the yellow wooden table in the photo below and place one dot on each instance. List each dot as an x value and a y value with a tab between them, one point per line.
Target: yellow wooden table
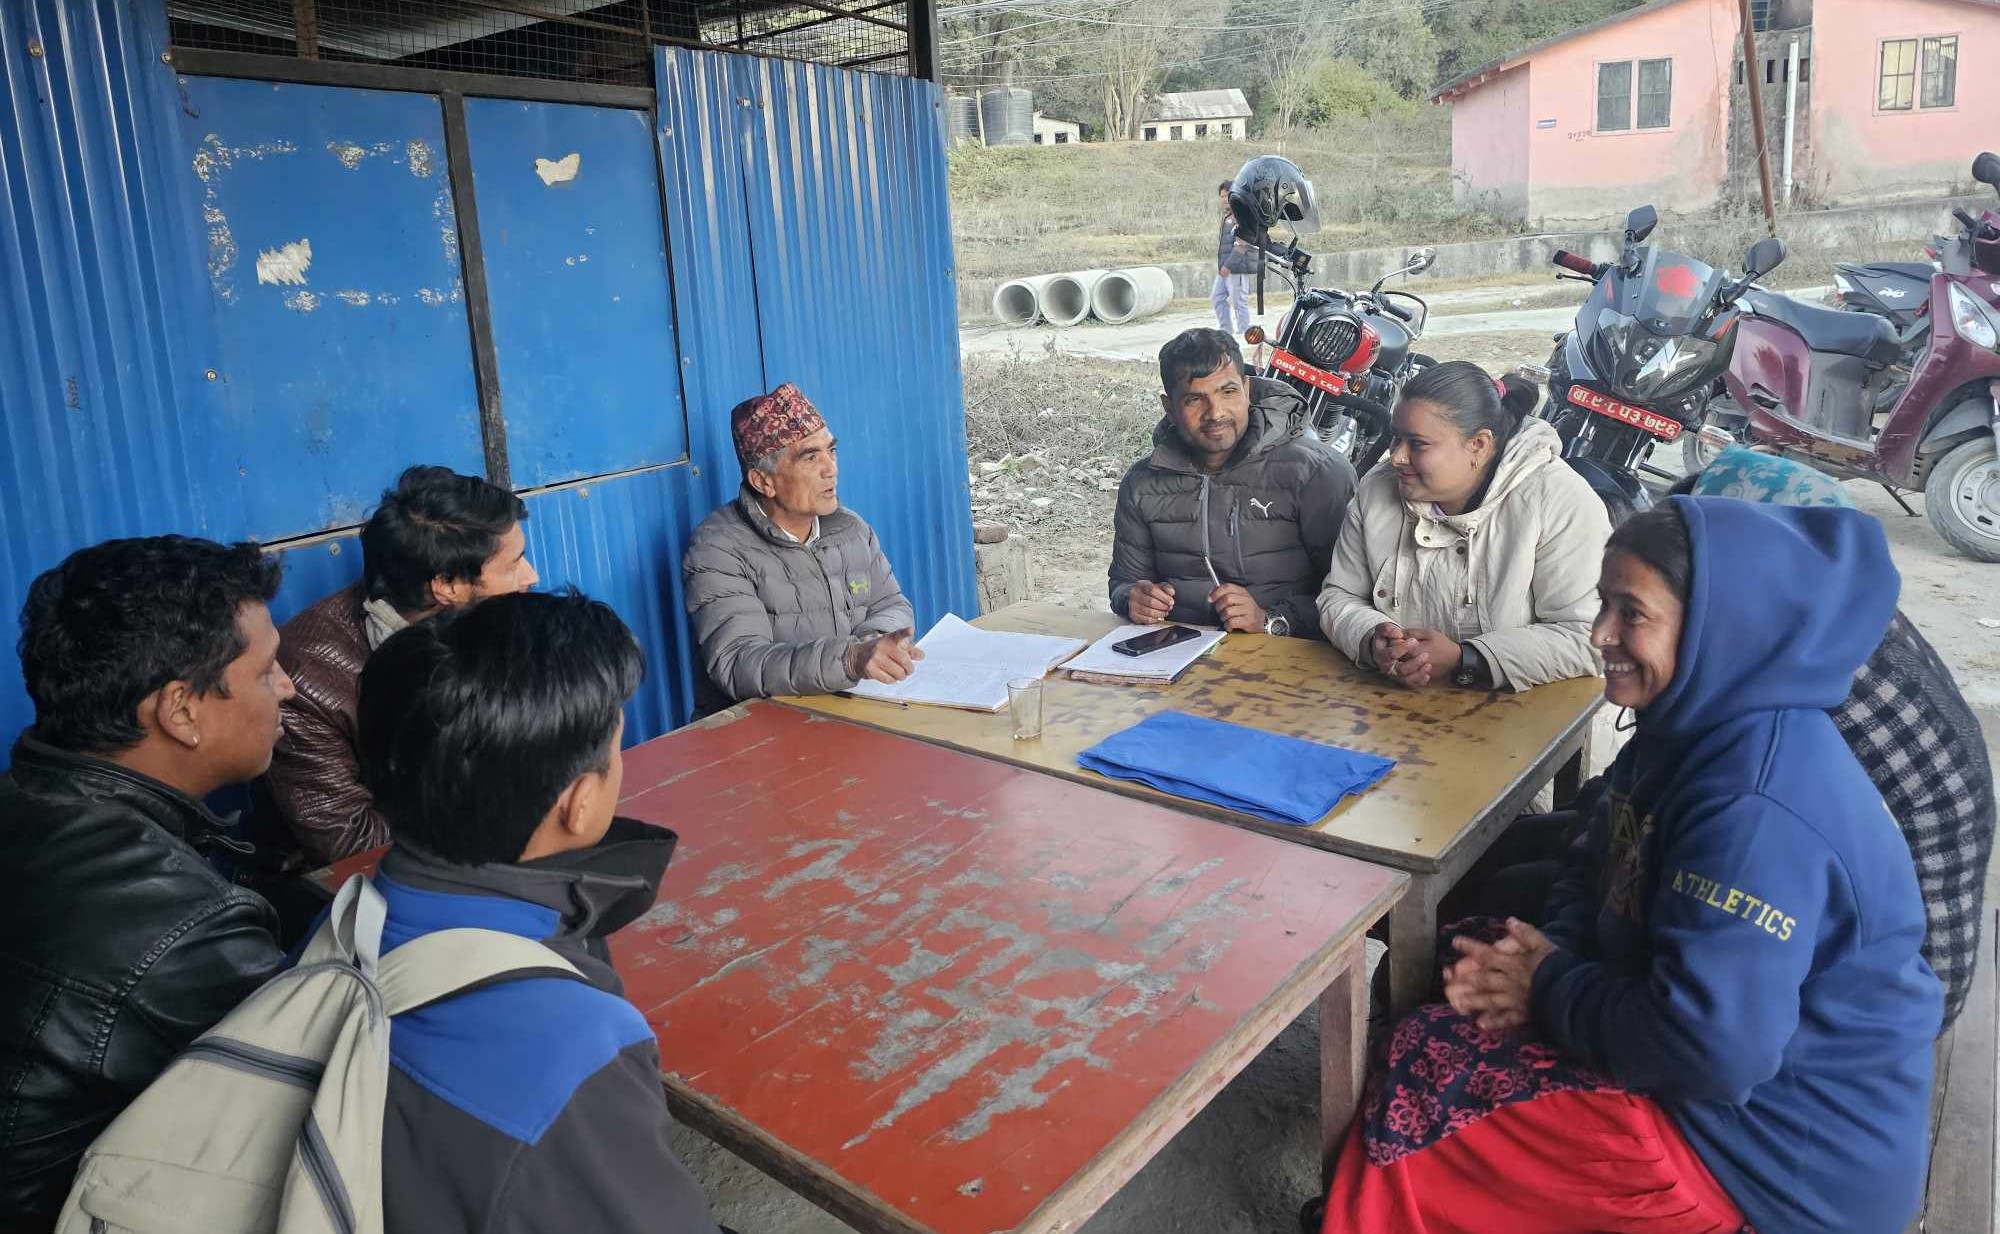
1467	762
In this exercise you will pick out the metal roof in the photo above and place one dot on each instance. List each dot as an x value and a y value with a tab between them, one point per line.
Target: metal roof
1201	105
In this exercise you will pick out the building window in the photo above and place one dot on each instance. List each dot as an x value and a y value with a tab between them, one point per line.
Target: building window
1062	139
1229	128
1620	107
1918	73
1152	133
1201	130
1614	97
1656	93
1940	75
1173	132
1898	90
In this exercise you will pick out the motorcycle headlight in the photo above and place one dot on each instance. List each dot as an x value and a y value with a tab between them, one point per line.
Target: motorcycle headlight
1328	339
1675	359
1641	365
1973	320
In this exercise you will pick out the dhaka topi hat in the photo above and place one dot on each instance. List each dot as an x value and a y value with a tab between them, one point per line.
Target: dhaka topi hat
768	423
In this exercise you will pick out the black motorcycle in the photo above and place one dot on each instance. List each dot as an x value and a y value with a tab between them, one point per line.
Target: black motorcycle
1347	353
1651	340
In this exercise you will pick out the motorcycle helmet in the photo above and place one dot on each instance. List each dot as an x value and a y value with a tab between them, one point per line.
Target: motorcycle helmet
1270	192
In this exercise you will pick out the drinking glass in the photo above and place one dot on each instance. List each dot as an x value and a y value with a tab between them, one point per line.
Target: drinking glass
1024	700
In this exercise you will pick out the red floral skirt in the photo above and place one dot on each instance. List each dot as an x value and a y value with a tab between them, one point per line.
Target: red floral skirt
1467	1131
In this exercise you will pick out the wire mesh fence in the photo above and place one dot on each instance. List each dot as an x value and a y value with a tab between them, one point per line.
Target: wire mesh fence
606	42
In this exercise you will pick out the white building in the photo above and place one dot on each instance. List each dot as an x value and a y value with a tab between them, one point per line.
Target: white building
1198	115
1049	132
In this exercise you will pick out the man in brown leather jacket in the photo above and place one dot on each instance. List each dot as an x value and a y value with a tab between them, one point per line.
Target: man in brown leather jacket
438	540
153	669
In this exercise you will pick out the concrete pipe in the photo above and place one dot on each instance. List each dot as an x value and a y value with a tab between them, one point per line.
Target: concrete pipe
1127	295
1019	303
1065	299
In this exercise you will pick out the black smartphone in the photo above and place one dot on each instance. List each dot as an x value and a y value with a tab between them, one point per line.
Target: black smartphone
1155	640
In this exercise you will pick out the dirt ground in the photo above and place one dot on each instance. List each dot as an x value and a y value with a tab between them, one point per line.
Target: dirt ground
1048	426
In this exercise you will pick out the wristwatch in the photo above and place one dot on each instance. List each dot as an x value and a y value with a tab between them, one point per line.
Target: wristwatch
1472	672
1276	626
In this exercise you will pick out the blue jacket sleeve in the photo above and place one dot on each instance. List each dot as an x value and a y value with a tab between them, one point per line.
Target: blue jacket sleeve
1743	888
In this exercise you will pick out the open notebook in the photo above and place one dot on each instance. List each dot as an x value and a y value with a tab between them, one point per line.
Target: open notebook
965	666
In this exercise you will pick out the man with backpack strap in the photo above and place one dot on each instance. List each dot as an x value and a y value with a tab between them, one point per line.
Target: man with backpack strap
452	1051
153	668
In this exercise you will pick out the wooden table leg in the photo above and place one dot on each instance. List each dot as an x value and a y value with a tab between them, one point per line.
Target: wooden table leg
1343	1055
1412	957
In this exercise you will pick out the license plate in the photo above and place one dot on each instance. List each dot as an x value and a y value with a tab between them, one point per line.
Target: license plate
1666	428
1285	362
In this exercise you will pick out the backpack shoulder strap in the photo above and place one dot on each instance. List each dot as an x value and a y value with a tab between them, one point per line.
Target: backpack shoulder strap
447	962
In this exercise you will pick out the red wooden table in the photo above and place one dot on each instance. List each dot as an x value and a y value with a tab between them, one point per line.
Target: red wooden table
934	993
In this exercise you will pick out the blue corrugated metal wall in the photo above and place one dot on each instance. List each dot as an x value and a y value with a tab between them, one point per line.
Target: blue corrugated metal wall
808	240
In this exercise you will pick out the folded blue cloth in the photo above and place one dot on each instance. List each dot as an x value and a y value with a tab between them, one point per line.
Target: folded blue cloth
1279	778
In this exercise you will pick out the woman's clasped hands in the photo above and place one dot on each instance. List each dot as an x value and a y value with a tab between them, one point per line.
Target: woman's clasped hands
1493	983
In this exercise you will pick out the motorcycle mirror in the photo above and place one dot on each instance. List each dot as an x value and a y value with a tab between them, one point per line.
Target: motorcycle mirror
1986	169
1640	224
1422	260
1764	256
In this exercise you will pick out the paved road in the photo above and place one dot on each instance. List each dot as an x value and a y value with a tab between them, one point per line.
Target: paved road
1453	314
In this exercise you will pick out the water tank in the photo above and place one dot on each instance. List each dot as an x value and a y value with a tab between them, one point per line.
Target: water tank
1008	113
961	118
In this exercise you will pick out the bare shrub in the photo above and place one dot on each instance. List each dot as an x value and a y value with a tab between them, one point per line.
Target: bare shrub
1049	437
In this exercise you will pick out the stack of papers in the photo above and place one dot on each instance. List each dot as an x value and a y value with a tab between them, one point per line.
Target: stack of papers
965	666
1164	665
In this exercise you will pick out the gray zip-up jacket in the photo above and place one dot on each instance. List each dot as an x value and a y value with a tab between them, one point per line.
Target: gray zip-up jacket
1267	521
774	616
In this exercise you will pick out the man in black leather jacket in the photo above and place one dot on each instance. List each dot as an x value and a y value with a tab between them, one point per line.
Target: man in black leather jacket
153	667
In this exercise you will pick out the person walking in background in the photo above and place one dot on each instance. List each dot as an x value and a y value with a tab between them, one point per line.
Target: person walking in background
1235	262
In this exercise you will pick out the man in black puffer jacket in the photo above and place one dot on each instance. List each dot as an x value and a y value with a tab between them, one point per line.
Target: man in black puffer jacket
153	668
1231	520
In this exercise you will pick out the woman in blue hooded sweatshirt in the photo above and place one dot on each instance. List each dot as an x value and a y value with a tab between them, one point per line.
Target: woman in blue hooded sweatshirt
1726	1022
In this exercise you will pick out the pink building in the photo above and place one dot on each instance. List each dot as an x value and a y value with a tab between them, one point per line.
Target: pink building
1917	96
1636	107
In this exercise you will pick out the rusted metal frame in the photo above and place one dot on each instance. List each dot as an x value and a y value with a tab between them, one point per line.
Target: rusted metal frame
875	59
925	38
305	28
742	38
861	14
201	62
478	307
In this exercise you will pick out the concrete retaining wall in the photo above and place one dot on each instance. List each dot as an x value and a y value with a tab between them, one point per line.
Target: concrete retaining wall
1828	231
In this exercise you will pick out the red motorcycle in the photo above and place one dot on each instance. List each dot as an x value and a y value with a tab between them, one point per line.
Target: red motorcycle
1848	394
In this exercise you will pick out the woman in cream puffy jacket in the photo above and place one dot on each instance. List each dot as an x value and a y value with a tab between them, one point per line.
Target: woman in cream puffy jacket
1470	555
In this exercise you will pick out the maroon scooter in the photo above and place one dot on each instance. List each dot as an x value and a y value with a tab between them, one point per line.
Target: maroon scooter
1848	394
